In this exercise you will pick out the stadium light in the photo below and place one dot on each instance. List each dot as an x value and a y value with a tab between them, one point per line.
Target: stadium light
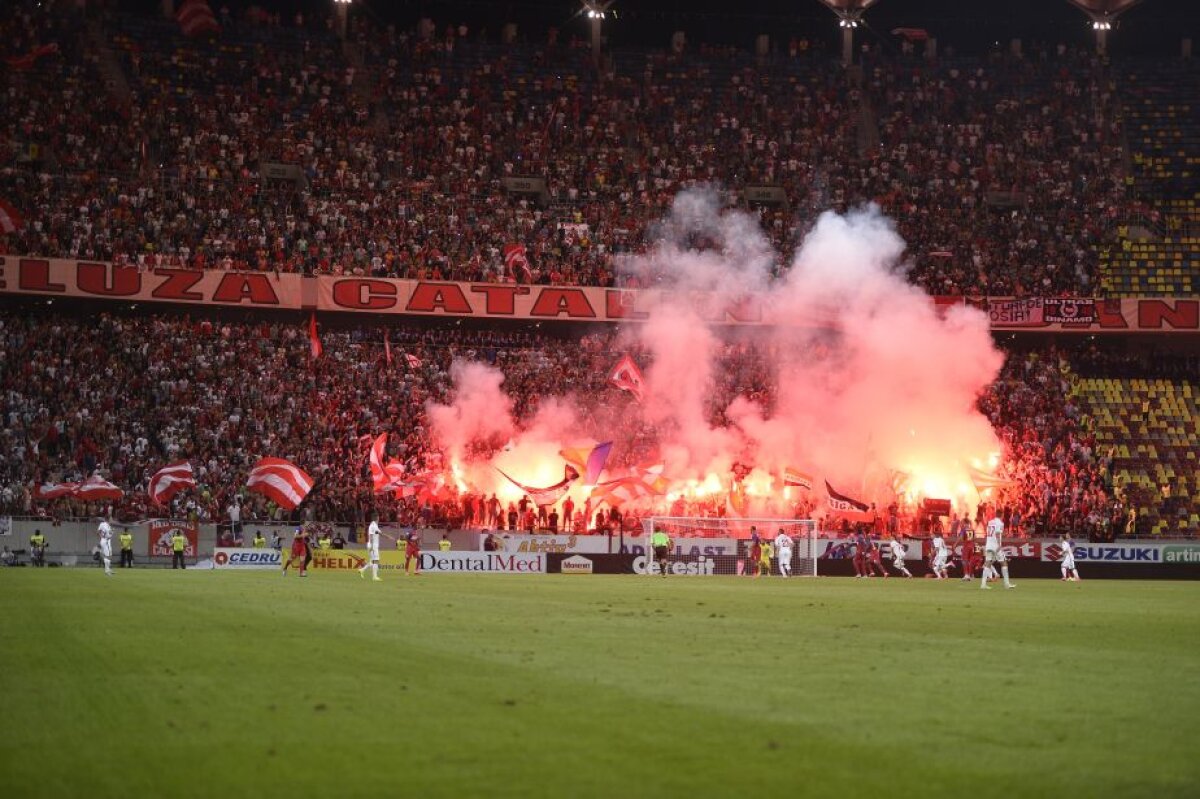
343	13
596	12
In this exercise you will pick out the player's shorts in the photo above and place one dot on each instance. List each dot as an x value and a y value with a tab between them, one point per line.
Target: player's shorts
1068	562
898	563
994	556
660	553
372	554
785	556
106	549
939	563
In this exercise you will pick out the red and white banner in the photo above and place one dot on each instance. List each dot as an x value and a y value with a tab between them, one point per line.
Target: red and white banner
96	488
54	490
169	481
98	280
195	17
280	481
163	530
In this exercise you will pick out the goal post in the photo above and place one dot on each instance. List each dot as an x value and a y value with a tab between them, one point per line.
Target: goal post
723	546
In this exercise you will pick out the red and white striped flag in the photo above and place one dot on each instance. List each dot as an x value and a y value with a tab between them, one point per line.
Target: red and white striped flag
10	219
314	340
97	488
795	477
280	481
412	360
384	476
627	377
54	490
196	17
169	481
517	263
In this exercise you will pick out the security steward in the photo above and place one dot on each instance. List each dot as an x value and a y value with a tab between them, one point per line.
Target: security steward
37	548
259	541
126	549
178	546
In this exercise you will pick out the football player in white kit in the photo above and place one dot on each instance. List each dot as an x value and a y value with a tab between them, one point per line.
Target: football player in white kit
373	533
105	533
897	549
941	556
783	550
1069	572
993	551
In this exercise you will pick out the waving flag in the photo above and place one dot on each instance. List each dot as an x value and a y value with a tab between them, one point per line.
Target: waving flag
589	461
96	488
387	348
314	341
642	481
550	494
195	17
170	480
384	476
30	59
413	361
10	220
795	477
54	490
627	377
517	262
280	481
842	505
984	481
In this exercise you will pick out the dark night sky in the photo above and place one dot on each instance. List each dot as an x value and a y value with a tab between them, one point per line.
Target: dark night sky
970	25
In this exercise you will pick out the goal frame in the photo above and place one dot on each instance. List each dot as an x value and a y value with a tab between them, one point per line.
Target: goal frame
804	533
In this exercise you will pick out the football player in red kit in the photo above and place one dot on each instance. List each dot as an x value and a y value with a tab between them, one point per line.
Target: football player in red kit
299	552
971	559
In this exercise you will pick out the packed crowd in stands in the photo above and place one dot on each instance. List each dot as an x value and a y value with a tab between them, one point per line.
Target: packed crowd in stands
1003	173
125	395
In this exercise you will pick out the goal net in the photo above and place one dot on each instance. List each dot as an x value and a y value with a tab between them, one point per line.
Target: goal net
725	546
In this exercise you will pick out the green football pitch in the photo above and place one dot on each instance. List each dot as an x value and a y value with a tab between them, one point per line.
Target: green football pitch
175	684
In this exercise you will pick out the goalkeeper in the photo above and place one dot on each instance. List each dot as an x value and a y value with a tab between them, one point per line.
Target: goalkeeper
660	542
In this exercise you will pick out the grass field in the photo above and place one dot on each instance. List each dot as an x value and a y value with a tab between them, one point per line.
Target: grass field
154	683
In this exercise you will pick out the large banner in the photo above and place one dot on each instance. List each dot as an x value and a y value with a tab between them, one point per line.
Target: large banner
710	547
481	562
99	280
161	533
235	558
513	542
435	562
1128	552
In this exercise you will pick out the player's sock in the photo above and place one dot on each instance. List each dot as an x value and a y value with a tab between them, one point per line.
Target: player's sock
374	571
107	566
1004	571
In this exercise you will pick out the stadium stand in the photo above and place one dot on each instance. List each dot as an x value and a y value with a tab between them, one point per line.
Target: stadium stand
402	146
1056	174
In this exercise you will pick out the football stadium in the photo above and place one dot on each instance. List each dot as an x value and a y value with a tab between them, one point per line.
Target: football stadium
599	398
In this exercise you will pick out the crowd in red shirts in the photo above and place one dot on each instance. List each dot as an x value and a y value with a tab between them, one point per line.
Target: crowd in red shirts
1002	173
